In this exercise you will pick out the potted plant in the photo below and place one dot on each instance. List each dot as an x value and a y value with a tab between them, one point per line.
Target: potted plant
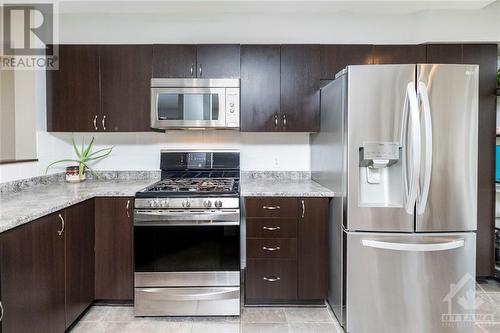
498	82
84	155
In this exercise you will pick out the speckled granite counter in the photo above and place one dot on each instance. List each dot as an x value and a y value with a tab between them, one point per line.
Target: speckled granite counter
19	207
282	184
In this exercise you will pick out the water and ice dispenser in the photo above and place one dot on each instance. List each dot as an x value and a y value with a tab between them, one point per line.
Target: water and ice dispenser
380	175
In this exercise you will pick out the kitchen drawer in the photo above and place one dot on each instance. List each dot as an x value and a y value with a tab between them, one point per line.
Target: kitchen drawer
271	207
271	227
271	279
267	248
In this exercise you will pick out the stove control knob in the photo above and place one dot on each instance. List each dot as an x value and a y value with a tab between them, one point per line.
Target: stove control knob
207	203
218	203
186	204
164	203
152	204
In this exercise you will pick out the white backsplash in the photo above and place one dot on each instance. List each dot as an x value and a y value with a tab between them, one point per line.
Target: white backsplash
141	151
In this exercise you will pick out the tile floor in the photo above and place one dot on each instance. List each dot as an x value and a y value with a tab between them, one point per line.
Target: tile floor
121	319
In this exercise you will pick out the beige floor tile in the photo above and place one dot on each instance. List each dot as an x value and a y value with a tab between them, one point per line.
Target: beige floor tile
264	328
89	327
263	315
488	286
216	327
489	328
308	315
314	328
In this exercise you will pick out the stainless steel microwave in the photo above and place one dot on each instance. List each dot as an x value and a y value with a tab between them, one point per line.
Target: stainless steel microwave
195	103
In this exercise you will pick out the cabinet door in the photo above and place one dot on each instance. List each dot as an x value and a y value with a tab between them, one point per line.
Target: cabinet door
79	232
444	53
313	248
399	54
218	61
260	88
73	90
174	61
334	58
125	88
114	270
300	74
485	55
32	277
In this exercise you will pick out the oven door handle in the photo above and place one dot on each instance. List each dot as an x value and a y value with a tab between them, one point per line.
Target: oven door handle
153	217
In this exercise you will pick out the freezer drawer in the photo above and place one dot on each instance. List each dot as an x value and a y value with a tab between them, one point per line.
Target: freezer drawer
409	282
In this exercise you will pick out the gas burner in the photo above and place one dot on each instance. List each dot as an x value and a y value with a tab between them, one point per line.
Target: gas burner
193	185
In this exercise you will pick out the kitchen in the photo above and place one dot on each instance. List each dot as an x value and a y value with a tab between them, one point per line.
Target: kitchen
215	207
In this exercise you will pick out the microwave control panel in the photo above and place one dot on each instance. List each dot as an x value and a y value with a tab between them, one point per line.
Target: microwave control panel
232	107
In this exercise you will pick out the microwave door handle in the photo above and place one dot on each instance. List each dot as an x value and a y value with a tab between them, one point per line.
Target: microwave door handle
426	111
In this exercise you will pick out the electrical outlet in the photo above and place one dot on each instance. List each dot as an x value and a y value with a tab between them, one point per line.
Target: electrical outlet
276	161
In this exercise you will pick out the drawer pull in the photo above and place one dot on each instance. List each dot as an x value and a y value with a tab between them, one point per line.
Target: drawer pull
265	248
272	279
271	207
271	228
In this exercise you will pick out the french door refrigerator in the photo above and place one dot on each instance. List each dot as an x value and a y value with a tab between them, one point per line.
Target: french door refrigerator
400	143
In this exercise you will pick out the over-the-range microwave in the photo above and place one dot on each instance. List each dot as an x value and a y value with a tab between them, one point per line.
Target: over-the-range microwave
195	103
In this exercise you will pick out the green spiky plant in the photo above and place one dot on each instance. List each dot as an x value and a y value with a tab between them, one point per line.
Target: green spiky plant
84	155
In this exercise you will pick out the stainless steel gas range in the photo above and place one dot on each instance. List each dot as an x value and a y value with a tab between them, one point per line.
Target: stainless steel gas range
187	237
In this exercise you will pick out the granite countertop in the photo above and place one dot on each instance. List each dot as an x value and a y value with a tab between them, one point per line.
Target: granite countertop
26	200
17	208
277	186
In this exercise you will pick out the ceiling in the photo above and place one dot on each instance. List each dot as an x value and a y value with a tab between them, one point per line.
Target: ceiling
266	6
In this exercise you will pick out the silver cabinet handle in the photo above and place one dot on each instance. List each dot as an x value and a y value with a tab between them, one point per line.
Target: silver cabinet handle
303	208
104	122
414	247
200	71
272	279
275	120
265	248
191	70
284	120
271	228
1	311
271	207
127	208
62	225
95	122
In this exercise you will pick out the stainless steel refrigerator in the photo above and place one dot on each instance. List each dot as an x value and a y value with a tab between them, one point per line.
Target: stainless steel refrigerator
400	143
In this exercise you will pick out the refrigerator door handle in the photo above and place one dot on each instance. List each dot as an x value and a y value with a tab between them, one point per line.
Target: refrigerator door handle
414	247
427	167
411	125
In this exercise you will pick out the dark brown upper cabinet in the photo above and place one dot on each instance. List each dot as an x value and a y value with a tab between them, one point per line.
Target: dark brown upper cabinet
174	61
260	88
218	61
125	88
334	58
196	61
32	275
399	54
444	53
300	76
73	96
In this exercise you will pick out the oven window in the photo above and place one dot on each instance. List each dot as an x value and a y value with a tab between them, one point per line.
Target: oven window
187	248
188	106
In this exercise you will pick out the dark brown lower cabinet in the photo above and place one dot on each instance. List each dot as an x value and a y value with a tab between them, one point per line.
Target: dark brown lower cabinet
114	269
32	277
79	232
287	250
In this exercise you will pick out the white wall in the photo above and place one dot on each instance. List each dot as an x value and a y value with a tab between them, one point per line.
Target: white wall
279	22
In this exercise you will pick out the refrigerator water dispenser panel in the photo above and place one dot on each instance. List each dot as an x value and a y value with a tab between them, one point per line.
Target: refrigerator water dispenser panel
380	176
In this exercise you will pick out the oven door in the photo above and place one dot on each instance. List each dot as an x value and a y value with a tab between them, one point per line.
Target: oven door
203	242
188	108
